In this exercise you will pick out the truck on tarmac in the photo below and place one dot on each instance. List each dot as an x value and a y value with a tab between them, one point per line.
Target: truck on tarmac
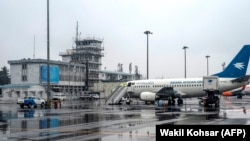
211	86
31	101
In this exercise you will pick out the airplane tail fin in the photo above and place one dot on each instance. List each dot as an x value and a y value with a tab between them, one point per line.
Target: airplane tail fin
238	66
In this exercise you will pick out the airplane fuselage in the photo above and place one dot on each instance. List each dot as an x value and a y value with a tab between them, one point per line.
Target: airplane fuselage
187	87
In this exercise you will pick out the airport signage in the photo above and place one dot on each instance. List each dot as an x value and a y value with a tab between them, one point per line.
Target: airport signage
54	74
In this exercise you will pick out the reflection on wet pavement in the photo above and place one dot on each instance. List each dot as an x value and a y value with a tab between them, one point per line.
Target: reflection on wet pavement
93	120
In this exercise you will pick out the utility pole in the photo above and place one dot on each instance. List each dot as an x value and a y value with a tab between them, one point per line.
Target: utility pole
87	75
185	66
48	55
207	64
147	32
34	47
223	65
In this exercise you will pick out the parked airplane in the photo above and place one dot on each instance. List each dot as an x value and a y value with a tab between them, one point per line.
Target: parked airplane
244	90
233	76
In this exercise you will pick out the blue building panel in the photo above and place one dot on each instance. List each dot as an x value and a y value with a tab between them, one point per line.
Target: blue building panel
54	74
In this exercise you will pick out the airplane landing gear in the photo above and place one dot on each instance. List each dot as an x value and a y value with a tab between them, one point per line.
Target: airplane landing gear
180	101
211	99
171	101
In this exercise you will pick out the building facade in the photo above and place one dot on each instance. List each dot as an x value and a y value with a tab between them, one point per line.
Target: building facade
29	78
66	77
79	71
87	51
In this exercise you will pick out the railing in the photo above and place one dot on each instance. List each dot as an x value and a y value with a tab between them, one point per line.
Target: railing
117	88
116	95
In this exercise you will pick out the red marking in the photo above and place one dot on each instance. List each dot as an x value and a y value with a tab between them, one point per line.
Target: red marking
227	93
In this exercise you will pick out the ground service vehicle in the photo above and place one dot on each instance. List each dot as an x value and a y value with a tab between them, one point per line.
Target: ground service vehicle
59	96
32	101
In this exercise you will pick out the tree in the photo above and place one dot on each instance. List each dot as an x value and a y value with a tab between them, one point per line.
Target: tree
4	76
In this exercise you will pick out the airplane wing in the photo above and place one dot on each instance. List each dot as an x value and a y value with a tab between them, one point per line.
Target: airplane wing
180	94
241	79
165	92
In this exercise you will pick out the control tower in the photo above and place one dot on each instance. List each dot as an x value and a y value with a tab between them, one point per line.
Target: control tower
88	51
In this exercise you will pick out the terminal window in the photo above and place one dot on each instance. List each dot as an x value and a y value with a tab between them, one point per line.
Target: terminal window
24	72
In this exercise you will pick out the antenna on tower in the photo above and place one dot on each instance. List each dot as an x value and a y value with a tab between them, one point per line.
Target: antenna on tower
34	47
77	31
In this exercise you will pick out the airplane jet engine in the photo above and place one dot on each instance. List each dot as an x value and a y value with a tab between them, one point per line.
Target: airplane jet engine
148	96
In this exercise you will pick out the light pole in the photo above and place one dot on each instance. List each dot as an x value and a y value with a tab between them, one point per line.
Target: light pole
185	70
223	65
147	32
69	77
207	64
48	55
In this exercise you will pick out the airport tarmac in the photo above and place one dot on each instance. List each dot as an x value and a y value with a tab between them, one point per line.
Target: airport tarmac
83	120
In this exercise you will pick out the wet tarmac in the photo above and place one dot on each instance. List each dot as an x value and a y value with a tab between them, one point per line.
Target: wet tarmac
83	120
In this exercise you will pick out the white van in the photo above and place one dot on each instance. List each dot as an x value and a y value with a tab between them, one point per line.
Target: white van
60	96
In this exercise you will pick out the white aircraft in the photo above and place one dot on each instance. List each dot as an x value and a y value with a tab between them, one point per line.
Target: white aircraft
233	76
244	90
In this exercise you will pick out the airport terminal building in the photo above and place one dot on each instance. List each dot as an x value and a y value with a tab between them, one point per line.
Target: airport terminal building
29	77
79	71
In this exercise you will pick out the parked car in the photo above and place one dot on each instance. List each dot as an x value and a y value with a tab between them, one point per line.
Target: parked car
89	96
20	101
95	96
59	96
30	101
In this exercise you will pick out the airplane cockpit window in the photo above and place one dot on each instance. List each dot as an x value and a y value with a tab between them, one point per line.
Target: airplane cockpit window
129	84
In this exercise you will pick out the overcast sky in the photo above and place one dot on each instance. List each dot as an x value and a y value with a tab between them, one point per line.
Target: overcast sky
218	28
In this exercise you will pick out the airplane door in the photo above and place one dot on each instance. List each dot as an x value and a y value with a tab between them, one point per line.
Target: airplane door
129	87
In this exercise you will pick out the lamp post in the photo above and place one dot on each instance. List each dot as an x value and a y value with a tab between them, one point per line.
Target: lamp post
207	64
69	77
185	70
48	55
147	32
223	65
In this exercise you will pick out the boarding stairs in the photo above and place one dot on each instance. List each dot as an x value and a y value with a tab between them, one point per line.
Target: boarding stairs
116	96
